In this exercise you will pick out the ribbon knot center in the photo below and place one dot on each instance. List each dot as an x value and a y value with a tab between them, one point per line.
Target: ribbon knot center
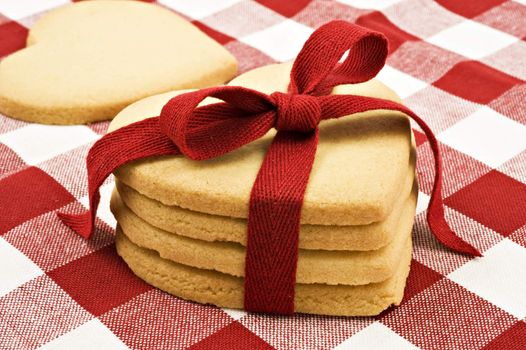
296	112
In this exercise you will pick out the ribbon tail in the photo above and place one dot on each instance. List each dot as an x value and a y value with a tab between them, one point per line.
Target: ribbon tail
435	213
83	223
133	142
444	234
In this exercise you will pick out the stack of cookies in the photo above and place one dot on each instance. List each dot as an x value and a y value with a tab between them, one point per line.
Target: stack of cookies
182	224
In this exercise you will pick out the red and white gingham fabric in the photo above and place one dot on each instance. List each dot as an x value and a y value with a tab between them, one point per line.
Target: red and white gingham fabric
460	64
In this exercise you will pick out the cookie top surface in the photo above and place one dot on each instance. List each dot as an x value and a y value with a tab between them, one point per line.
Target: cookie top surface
86	61
360	166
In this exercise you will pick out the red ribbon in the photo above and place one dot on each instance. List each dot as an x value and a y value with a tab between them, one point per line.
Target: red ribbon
246	115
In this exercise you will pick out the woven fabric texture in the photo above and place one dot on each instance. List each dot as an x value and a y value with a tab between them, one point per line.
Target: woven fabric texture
459	65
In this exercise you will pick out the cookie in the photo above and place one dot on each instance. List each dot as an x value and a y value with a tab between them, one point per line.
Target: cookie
87	61
211	228
359	171
314	266
211	287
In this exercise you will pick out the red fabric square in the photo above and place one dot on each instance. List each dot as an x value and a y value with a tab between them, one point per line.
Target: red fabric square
476	82
27	194
285	8
514	338
221	38
99	281
495	200
447	316
9	161
157	320
377	21
469	9
420	137
234	336
13	37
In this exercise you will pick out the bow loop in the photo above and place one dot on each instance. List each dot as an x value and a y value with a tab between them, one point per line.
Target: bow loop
296	112
215	129
316	69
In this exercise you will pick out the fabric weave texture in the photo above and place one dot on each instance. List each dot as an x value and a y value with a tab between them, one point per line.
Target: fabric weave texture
458	65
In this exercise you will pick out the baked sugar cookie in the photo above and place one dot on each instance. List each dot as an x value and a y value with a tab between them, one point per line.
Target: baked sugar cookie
86	61
211	228
211	287
314	266
359	170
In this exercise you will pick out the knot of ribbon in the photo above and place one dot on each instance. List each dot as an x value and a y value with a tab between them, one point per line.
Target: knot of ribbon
296	112
244	115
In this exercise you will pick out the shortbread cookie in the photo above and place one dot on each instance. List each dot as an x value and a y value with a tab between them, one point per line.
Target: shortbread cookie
212	228
314	266
359	171
211	287
86	61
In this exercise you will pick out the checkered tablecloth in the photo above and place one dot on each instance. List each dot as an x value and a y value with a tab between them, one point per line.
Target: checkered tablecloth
460	64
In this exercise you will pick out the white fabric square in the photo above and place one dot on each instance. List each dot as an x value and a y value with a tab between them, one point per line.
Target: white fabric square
91	335
234	313
368	4
16	268
103	211
403	84
282	41
198	8
498	277
36	143
376	336
487	136
472	39
18	9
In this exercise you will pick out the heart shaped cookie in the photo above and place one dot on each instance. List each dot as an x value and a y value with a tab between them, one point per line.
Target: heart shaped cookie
86	61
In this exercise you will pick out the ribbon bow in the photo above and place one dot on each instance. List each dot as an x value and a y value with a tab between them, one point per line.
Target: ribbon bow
246	115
